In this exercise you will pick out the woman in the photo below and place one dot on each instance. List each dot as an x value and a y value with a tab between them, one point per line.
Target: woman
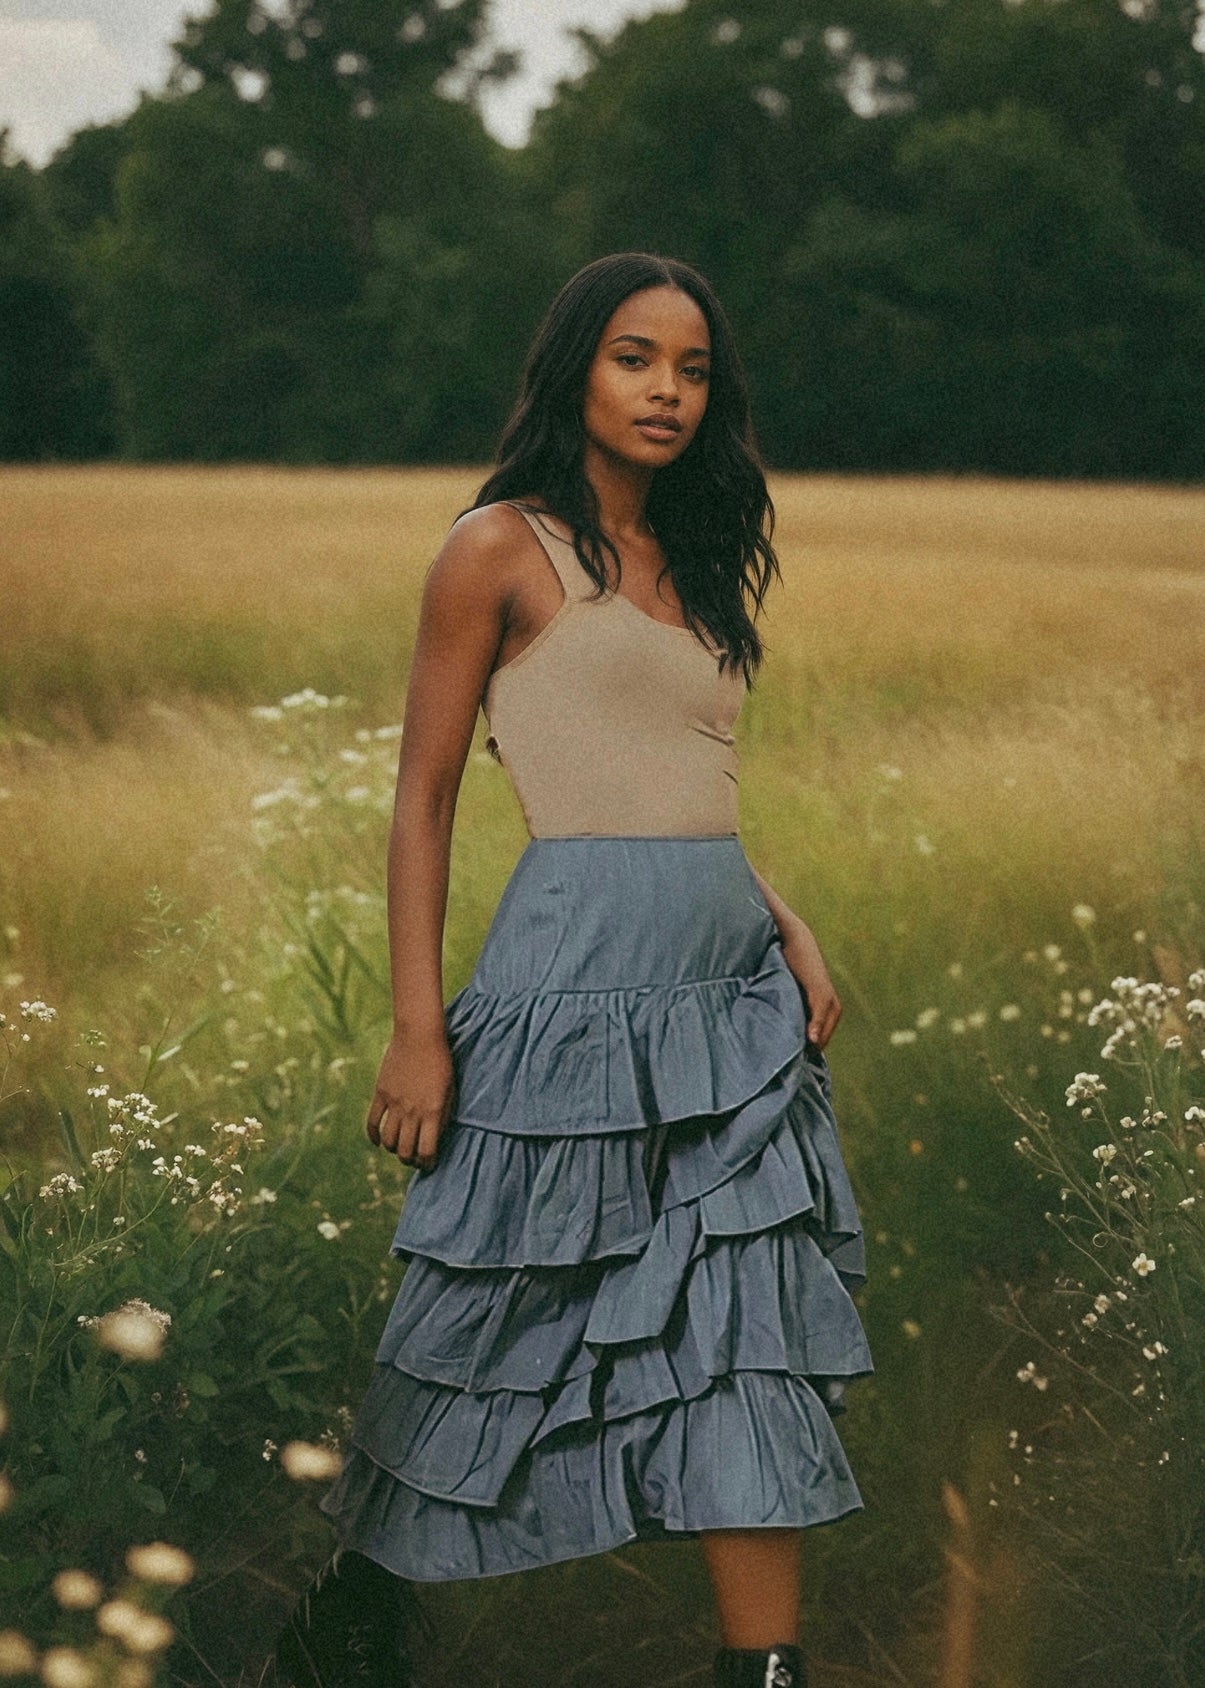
631	1237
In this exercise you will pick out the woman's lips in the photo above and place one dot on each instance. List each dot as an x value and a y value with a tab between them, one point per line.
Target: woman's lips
655	428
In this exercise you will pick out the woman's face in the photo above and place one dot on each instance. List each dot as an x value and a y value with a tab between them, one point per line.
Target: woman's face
647	386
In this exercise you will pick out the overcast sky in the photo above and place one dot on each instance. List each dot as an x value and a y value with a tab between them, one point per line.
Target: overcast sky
64	63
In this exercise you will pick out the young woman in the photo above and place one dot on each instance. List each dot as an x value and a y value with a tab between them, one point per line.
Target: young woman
630	1237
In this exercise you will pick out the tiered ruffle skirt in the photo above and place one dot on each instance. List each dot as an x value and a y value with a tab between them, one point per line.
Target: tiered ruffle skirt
626	1309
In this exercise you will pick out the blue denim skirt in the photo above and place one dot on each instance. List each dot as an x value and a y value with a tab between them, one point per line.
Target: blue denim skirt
626	1308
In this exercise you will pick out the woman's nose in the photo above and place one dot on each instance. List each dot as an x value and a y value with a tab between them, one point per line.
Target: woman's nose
664	385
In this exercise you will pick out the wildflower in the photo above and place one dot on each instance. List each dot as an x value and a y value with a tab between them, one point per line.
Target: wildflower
1196	1008
1153	1351
328	1229
1143	1265
139	1631
303	1460
1083	1088
135	1330
978	1018
928	1017
17	1657
906	1035
38	1010
910	1327
1102	1304
77	1591
1173	1042
267	712
62	1184
1013	1438
1189	1201
1051	951
1194	1115
98	1090
1127	1122
65	1667
958	1026
160	1562
1029	1374
262	1197
1105	1152
269	1447
1089	1319
1010	1011
105	1160
1083	915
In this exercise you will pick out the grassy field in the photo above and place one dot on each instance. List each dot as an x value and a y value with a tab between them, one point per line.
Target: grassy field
974	763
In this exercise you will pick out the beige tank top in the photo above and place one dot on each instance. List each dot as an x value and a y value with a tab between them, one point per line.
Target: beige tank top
610	723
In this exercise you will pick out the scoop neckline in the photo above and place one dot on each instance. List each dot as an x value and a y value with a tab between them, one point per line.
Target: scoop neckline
614	592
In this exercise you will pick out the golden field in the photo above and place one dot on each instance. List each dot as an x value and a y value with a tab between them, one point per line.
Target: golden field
974	761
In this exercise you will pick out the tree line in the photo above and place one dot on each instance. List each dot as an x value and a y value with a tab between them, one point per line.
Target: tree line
951	234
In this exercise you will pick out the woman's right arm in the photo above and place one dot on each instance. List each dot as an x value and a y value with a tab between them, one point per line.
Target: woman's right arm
466	599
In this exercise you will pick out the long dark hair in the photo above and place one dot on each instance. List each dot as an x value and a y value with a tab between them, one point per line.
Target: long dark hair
710	509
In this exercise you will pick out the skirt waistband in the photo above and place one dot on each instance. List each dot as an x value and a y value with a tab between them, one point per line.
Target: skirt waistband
619	912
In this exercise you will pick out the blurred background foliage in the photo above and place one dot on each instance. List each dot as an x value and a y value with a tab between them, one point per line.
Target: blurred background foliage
952	234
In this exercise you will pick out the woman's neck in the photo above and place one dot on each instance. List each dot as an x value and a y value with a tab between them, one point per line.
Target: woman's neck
621	490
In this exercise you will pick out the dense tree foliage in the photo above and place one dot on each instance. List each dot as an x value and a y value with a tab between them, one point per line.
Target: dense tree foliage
951	233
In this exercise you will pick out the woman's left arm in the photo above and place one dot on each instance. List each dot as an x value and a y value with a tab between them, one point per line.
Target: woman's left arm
802	955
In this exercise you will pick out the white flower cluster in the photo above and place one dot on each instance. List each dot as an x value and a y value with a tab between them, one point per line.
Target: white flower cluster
130	1113
62	1184
305	702
38	1010
1083	1087
1135	1005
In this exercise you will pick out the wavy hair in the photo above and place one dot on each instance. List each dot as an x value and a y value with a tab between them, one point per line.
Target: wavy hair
710	509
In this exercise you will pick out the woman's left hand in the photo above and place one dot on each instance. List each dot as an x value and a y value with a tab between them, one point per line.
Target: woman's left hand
802	955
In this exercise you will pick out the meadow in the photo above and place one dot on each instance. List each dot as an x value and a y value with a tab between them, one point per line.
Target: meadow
974	762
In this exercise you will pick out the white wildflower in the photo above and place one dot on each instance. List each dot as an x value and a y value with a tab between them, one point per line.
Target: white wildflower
1084	1087
135	1330
160	1562
65	1667
17	1656
1102	1304
306	1460
1010	1011
928	1017
139	1631
1083	914
1029	1374
62	1184
1153	1350
1105	1152
38	1010
328	1229
77	1591
1143	1265
106	1160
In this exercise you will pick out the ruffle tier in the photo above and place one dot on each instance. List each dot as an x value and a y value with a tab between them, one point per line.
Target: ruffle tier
626	1309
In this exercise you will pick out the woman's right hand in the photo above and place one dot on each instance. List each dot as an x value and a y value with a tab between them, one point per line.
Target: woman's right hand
412	1100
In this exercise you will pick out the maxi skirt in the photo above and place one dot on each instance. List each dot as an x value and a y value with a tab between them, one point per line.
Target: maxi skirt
626	1309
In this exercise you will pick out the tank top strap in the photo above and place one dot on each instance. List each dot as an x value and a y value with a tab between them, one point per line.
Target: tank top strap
559	550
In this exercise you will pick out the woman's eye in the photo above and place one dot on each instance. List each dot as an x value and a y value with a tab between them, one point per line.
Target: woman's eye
696	373
631	359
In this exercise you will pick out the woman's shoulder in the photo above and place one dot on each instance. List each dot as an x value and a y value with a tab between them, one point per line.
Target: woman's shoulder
489	548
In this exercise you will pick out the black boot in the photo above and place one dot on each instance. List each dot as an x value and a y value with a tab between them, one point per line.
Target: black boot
780	1666
351	1629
